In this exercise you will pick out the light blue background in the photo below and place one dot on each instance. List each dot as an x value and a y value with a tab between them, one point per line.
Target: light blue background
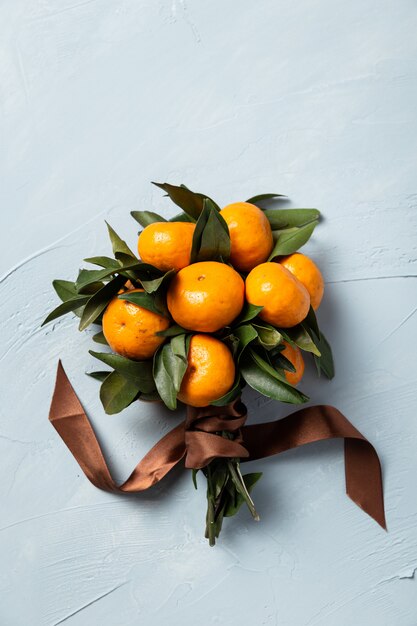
316	100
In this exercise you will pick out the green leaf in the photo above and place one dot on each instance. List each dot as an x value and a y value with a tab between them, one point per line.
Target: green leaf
66	307
138	371
194	477
182	217
264	379
301	338
145	300
249	312
145	272
168	372
180	345
104	261
91	288
234	503
324	363
88	277
288	218
120	248
98	301
117	392
246	334
100	338
292	239
150	397
146	217
268	336
234	393
100	375
190	202
172	331
310	323
151	286
211	239
264	196
280	362
65	289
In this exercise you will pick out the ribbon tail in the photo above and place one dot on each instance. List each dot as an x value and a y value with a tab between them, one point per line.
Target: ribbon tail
70	421
317	423
364	478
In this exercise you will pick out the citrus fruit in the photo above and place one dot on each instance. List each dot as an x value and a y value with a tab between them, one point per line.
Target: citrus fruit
284	299
307	273
166	245
205	296
250	235
130	330
293	354
210	372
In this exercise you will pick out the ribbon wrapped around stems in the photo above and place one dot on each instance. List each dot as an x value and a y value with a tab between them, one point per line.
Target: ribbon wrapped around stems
198	440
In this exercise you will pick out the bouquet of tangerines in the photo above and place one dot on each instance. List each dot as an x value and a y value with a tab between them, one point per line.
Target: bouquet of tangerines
218	298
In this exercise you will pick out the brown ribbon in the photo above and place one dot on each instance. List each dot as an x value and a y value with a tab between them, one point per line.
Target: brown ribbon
199	440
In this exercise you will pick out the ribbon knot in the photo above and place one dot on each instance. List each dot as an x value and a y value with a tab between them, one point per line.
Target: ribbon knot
212	432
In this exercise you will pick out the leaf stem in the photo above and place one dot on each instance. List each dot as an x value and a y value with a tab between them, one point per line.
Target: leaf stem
237	478
211	528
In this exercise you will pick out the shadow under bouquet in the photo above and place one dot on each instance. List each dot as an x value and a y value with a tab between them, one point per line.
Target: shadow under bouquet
217	299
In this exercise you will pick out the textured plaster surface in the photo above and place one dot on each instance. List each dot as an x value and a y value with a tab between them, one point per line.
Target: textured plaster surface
316	100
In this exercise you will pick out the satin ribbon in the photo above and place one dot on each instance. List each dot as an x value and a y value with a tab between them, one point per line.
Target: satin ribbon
198	439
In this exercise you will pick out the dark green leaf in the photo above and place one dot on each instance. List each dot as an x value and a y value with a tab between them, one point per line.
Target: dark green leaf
310	323
172	331
324	363
282	363
117	392
231	395
266	366
143	299
246	334
288	218
194	477
101	375
150	397
138	371
100	338
98	301
190	202
268	382
249	312
264	196
91	288
182	217
88	277
120	247
301	338
211	239
180	345
104	261
66	307
146	217
292	239
65	289
234	503
145	271
168	371
157	283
